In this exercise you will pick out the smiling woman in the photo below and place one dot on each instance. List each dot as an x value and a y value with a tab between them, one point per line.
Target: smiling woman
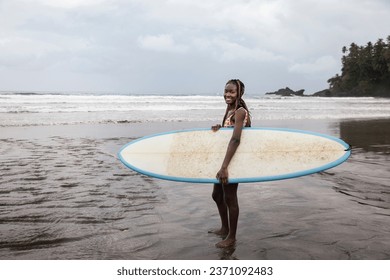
225	193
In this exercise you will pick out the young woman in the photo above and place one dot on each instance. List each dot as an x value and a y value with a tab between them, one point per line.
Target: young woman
224	193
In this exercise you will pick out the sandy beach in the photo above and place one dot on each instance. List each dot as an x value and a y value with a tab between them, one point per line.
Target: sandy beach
65	195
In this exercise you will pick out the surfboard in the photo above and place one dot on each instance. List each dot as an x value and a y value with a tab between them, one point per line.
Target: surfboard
264	154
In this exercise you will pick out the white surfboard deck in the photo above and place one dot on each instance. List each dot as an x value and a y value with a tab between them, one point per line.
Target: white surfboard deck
264	154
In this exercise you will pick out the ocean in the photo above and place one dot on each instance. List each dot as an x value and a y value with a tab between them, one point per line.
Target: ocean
34	109
64	194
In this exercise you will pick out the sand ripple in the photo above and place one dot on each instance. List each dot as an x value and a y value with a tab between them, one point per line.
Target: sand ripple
69	197
72	193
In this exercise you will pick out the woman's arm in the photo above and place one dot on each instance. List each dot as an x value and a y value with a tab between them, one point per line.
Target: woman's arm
234	142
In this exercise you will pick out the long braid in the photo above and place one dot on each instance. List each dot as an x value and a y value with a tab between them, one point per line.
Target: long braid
240	92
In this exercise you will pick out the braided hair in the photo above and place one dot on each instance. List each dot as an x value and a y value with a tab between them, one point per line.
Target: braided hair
239	101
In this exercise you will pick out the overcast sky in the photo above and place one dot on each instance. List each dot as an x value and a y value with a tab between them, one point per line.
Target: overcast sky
181	46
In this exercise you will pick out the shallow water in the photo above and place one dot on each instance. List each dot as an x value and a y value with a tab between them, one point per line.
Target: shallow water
66	196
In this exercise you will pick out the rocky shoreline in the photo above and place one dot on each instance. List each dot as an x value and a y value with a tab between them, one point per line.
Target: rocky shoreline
287	92
380	92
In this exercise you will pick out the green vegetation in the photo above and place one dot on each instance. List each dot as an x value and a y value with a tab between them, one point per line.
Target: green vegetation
365	71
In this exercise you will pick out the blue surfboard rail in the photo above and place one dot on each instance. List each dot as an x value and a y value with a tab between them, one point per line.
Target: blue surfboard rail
335	163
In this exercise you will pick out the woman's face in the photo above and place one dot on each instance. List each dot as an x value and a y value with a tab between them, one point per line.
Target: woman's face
230	94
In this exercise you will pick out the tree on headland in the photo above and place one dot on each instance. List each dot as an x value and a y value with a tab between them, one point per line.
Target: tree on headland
365	70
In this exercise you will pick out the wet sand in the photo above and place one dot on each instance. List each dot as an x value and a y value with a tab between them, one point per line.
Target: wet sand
65	195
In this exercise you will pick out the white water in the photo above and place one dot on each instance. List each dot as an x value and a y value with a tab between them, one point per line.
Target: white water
52	109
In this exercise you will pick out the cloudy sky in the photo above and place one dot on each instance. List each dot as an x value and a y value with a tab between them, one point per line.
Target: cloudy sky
180	46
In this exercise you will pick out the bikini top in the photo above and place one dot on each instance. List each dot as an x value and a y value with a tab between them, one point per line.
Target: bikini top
229	122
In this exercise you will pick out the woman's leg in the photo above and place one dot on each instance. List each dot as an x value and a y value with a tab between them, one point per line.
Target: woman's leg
218	197
231	201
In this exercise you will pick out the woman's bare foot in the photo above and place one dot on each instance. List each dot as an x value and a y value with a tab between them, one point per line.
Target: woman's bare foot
222	231
228	242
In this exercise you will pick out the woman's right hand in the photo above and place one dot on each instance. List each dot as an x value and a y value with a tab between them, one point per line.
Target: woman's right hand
223	176
216	127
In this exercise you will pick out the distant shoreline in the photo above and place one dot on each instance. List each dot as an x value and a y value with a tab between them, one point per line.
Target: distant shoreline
380	93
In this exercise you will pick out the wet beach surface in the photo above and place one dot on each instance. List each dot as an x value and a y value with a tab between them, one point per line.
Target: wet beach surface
65	195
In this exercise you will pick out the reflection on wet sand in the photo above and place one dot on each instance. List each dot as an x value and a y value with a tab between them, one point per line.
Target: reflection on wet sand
369	135
366	175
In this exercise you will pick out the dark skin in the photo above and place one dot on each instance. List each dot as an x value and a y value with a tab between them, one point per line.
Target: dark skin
225	194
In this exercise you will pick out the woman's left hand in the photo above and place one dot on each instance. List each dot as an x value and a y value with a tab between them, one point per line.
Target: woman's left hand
223	176
216	127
